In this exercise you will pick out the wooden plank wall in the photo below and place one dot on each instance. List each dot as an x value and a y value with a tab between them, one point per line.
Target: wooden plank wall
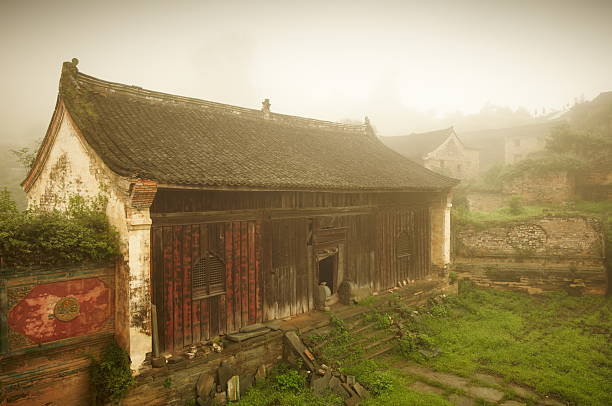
389	225
177	201
288	283
360	247
175	249
269	257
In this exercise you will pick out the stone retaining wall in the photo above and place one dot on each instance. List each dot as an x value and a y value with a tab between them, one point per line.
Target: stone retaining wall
539	254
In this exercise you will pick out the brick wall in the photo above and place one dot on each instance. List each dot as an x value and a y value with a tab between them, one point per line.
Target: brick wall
52	321
568	250
554	187
485	201
595	185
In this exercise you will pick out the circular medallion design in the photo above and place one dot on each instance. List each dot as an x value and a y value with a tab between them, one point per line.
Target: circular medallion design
66	309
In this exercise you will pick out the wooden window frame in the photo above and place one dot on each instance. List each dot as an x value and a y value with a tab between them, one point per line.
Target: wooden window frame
208	289
406	252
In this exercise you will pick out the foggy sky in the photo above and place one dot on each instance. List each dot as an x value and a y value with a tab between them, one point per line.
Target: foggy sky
403	63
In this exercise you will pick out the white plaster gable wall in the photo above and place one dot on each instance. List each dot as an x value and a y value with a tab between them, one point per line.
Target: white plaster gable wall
453	153
72	167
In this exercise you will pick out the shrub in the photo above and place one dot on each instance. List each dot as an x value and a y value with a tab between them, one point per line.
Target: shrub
111	376
42	238
378	382
290	381
372	376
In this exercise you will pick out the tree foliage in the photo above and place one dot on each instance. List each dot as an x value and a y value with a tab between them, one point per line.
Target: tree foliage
54	238
583	144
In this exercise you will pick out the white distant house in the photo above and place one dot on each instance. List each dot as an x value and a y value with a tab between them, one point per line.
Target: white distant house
441	151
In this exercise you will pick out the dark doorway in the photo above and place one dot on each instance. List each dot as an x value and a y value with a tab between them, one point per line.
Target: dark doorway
327	271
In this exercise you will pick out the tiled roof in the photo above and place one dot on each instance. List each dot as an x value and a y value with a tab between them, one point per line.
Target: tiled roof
416	145
177	140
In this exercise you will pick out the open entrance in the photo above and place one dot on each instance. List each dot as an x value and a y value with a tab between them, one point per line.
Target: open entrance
328	267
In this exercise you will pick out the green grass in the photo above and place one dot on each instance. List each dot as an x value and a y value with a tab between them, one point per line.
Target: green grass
505	214
559	345
285	387
390	387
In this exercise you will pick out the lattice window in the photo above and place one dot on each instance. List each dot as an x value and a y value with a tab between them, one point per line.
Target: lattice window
208	277
404	245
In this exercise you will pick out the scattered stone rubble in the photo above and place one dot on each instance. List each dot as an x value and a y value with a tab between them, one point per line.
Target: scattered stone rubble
322	378
228	385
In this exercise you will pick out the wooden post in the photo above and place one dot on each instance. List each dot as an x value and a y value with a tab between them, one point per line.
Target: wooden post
155	331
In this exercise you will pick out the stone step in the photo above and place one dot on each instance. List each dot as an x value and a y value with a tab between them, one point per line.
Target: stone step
382	341
381	351
349	312
363	327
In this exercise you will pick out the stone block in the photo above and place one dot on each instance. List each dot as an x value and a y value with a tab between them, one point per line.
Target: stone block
205	386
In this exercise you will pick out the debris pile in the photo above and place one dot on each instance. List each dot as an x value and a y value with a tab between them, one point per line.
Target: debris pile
226	385
321	377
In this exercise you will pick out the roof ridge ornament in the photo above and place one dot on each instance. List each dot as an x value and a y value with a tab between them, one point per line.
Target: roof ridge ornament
369	130
265	107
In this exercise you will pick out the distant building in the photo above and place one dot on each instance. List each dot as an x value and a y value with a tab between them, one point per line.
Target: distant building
520	142
509	145
440	151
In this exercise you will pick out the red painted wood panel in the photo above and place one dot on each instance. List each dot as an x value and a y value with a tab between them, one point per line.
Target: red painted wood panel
258	273
251	267
229	286
236	274
186	251
196	328
177	295
169	289
222	311
214	315
244	284
205	319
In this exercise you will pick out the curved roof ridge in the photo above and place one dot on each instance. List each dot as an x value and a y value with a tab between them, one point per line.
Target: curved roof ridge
286	119
163	137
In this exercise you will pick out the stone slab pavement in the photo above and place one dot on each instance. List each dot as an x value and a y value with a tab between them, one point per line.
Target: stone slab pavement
462	391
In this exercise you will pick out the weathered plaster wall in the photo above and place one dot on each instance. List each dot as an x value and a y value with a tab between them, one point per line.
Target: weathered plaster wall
551	187
72	168
453	159
441	232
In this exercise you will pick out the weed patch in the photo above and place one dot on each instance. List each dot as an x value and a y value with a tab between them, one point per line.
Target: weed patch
111	376
555	343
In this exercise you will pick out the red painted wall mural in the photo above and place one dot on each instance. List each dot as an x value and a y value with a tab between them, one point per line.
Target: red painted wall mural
59	310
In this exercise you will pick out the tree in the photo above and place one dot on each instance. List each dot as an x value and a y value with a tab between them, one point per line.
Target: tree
27	155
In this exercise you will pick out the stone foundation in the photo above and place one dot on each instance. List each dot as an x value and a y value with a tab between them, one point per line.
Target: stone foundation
175	384
535	279
537	255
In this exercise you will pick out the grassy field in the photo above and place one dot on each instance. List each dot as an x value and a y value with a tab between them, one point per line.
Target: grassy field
557	344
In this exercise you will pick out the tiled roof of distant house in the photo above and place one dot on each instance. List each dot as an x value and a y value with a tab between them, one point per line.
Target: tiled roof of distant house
416	145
